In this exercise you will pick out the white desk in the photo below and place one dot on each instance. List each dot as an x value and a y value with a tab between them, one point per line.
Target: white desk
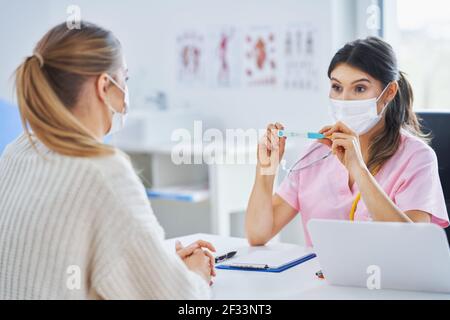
298	282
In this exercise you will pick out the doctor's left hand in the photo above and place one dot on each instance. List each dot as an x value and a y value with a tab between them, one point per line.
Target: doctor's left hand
344	143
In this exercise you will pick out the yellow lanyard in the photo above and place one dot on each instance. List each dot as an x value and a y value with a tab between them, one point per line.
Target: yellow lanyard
358	197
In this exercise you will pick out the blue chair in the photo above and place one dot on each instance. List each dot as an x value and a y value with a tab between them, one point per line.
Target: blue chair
437	123
10	124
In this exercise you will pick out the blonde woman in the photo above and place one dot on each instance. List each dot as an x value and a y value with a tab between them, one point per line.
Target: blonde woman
75	222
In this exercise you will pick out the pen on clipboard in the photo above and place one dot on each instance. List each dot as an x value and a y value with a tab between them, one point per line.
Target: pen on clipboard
226	256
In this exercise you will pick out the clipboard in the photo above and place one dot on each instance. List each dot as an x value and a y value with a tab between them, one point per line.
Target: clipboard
266	260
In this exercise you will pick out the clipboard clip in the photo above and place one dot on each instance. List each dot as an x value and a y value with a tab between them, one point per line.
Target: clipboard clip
250	266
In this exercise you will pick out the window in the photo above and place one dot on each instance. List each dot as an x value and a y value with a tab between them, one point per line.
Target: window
423	50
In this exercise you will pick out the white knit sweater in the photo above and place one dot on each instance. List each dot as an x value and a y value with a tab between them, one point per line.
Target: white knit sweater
82	228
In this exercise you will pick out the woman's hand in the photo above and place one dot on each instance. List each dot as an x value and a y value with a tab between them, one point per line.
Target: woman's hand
194	257
344	143
200	264
271	149
260	222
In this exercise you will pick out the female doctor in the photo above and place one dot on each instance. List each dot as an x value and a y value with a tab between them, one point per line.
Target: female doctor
75	221
374	163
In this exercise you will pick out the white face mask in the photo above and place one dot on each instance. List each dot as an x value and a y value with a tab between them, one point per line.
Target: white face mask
359	115
119	118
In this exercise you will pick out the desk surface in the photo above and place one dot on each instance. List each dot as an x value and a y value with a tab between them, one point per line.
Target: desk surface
298	282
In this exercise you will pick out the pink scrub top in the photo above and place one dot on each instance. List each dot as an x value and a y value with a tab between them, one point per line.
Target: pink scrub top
410	178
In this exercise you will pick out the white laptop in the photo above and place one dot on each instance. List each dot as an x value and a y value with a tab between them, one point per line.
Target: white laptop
382	255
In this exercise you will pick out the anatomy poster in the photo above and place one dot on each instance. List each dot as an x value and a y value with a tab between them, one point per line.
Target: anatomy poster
191	58
260	52
300	52
224	57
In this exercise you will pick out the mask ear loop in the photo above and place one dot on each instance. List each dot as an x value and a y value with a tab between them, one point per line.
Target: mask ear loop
386	105
384	90
112	110
115	83
124	91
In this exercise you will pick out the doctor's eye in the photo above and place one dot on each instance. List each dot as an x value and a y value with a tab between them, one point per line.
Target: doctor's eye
336	88
360	89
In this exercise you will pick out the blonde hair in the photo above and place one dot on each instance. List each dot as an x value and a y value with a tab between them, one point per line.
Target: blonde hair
49	83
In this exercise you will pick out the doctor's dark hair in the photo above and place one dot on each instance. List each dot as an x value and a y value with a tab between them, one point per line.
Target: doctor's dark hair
377	58
49	83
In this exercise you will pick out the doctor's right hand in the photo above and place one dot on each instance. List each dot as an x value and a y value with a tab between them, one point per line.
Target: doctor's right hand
271	149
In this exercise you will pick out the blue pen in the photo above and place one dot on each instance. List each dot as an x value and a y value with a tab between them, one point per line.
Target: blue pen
307	135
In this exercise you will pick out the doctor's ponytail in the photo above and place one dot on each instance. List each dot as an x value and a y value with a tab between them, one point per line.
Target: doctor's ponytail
405	96
49	82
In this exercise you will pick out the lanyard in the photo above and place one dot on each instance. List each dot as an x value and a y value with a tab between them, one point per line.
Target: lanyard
358	197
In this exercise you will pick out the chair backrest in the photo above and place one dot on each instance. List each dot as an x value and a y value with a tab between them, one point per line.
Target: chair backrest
438	123
10	124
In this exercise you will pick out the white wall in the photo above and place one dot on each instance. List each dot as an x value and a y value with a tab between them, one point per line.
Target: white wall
20	29
147	30
255	107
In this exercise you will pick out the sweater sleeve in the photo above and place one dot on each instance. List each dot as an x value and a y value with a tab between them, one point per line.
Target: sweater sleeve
131	259
143	269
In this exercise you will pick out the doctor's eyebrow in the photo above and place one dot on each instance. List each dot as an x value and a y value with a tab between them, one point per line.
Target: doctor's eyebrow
360	80
356	81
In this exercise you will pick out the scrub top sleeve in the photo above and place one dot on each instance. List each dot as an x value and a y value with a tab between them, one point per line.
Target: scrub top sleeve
288	191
